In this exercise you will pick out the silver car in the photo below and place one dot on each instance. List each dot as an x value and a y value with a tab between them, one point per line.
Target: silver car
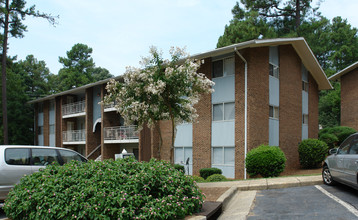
17	161
342	164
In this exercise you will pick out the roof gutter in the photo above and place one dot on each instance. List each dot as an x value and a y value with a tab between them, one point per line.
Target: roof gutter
243	59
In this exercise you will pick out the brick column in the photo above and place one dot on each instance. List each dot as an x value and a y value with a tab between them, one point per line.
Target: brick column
312	107
58	121
144	144
349	99
290	104
36	124
202	126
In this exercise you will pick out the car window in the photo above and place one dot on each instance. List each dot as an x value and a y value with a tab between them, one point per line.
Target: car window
354	147
67	156
17	156
43	157
343	149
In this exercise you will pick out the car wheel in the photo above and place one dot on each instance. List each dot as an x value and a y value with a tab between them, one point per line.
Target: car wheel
327	177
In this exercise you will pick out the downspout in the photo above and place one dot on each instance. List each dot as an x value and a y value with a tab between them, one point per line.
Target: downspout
243	59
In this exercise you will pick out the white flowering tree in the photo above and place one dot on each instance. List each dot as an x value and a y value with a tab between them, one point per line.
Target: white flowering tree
160	90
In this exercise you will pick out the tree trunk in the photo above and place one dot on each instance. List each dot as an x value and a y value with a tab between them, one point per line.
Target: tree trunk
298	14
3	73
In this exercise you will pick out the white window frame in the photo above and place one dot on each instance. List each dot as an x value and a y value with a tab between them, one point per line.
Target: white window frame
223	156
275	111
275	71
223	115
224	72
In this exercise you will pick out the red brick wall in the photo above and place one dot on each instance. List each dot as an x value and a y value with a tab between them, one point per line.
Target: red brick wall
240	115
36	124
290	114
144	144
202	127
349	99
257	101
312	108
58	121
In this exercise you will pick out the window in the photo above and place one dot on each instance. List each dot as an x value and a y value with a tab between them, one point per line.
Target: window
17	156
224	111
52	105
343	149
354	148
43	157
68	156
224	67
40	130
305	86
274	112
305	119
274	70
223	155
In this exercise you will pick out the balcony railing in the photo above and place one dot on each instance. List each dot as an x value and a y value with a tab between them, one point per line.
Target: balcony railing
74	108
110	107
74	136
121	133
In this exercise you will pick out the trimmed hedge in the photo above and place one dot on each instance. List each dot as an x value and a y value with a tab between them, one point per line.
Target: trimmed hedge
312	153
121	189
198	179
216	178
341	132
206	172
268	161
330	139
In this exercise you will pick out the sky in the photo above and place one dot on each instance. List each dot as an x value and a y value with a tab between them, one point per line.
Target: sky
120	32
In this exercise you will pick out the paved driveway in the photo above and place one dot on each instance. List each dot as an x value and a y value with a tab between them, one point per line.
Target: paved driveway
309	202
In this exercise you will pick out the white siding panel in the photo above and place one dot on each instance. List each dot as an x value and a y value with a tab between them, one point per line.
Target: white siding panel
274	91
40	119
52	117
224	89
304	131
304	102
96	106
274	132
52	140
274	56
228	171
184	135
223	133
40	139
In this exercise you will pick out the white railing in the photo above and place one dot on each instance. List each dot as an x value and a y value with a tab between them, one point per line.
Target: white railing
121	133
74	108
74	136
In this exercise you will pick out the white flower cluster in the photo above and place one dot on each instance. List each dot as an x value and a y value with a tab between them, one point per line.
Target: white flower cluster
162	89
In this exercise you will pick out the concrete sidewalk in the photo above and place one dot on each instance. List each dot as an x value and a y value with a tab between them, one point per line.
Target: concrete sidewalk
237	201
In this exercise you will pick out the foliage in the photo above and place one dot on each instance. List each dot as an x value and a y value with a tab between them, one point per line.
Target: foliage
329	107
312	153
179	167
161	90
216	178
206	172
330	139
198	179
341	132
268	161
121	189
79	68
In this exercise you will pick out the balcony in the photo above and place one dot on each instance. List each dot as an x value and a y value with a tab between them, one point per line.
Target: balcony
75	109
110	107
74	137
121	134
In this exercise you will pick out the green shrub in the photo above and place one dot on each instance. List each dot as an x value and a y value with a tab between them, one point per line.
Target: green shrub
121	189
198	179
312	152
330	139
179	167
216	178
268	161
206	172
341	132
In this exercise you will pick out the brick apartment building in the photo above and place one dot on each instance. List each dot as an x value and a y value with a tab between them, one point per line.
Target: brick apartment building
266	92
348	78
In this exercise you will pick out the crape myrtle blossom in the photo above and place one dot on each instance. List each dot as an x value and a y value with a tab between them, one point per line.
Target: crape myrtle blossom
160	90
